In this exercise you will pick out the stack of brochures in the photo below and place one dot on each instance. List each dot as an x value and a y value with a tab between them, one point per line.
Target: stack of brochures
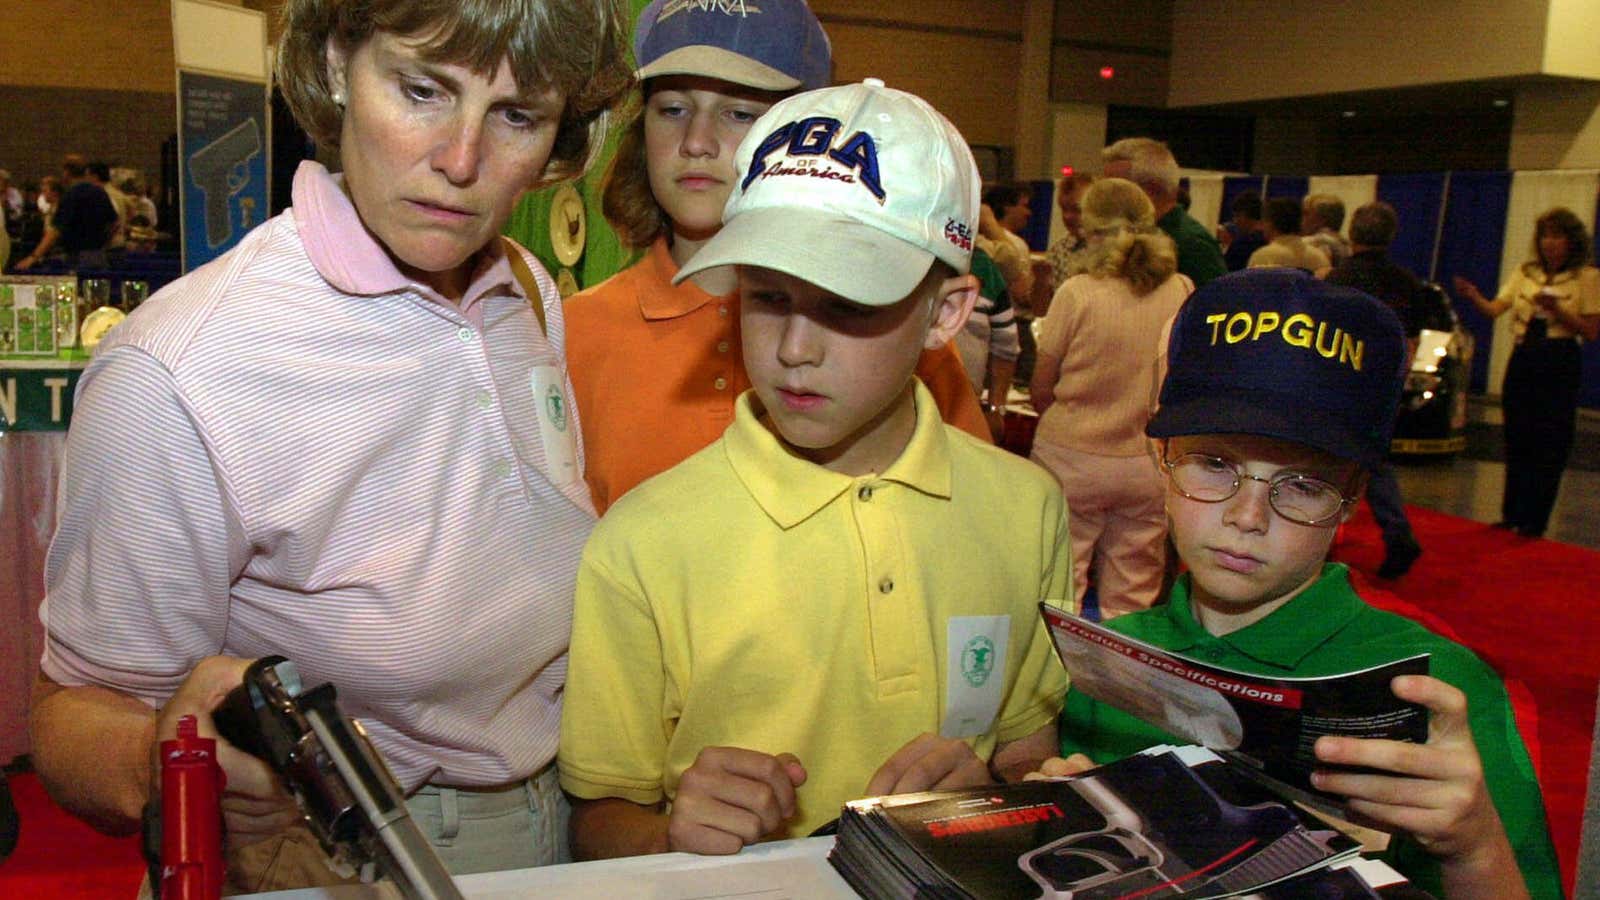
1234	817
1169	822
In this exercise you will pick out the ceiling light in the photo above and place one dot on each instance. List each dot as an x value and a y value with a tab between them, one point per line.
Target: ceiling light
1348	114
1501	102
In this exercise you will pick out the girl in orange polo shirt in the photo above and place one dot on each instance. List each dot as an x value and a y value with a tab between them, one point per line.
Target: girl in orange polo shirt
655	366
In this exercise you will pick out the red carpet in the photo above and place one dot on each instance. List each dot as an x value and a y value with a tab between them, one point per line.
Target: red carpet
60	857
1528	608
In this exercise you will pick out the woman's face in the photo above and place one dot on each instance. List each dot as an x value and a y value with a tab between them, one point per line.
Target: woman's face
436	155
692	128
1553	248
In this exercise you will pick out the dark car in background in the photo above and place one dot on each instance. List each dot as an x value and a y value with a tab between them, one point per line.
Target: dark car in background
1433	405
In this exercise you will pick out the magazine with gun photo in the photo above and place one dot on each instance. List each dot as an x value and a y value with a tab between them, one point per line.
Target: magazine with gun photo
1267	724
1168	822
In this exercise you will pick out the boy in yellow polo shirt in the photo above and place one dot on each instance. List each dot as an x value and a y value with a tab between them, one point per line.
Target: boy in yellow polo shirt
837	598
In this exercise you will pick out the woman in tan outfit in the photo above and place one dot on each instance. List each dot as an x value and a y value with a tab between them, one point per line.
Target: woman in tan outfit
1093	385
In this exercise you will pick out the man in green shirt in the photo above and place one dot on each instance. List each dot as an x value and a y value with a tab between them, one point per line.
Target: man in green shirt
1150	164
1263	439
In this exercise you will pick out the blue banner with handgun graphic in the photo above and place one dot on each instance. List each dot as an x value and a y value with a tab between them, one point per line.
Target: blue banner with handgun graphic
222	162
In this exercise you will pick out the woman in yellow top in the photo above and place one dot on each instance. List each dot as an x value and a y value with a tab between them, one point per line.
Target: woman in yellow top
1554	300
656	367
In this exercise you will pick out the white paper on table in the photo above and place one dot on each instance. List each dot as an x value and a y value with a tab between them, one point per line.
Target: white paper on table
773	871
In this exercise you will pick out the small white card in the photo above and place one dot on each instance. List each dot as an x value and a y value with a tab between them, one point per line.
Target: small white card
555	425
976	673
24	296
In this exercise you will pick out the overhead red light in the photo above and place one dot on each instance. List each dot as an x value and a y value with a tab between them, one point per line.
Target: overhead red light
1066	171
1107	73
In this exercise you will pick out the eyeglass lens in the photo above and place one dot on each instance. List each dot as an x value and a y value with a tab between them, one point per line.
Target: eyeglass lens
1298	498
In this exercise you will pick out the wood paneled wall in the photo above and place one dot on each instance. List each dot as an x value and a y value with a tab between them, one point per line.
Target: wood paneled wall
87	76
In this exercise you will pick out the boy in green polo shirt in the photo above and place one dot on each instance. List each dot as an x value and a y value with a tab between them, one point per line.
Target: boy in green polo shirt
1280	390
836	599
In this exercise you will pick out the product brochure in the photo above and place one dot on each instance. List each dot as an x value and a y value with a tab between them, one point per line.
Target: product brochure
1267	724
1168	822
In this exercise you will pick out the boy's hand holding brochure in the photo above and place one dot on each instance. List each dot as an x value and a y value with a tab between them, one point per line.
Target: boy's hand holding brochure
1434	791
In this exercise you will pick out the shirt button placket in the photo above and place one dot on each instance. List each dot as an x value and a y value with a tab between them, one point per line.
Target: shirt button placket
886	582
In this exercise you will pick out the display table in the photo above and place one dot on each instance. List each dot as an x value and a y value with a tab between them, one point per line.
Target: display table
35	407
780	869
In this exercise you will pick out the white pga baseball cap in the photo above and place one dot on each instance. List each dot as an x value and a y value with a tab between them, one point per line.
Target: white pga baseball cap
856	189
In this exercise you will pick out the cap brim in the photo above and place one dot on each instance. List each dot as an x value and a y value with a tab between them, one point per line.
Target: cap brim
1233	412
836	253
724	65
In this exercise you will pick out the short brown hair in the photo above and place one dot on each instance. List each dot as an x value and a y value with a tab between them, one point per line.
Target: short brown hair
1284	213
1374	225
1329	209
1565	222
577	47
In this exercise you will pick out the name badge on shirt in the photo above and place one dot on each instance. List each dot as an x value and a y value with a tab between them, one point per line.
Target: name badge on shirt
555	425
976	673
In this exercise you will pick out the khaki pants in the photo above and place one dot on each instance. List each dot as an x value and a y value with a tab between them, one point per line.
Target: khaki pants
1116	513
473	830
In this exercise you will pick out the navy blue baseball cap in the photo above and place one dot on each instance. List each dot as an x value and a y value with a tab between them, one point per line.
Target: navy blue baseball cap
771	45
1278	353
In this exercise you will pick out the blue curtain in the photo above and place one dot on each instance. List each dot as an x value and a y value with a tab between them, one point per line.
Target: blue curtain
1041	206
1470	245
1417	201
1286	186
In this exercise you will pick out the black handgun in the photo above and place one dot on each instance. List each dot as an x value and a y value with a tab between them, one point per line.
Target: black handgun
212	168
348	797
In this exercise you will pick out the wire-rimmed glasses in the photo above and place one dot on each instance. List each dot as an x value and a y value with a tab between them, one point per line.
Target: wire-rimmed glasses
1301	499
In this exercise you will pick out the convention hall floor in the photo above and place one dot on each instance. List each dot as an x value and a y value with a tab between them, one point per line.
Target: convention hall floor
1469	484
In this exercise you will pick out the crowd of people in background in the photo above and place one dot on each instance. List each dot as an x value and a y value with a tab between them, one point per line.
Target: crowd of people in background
86	215
1308	233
